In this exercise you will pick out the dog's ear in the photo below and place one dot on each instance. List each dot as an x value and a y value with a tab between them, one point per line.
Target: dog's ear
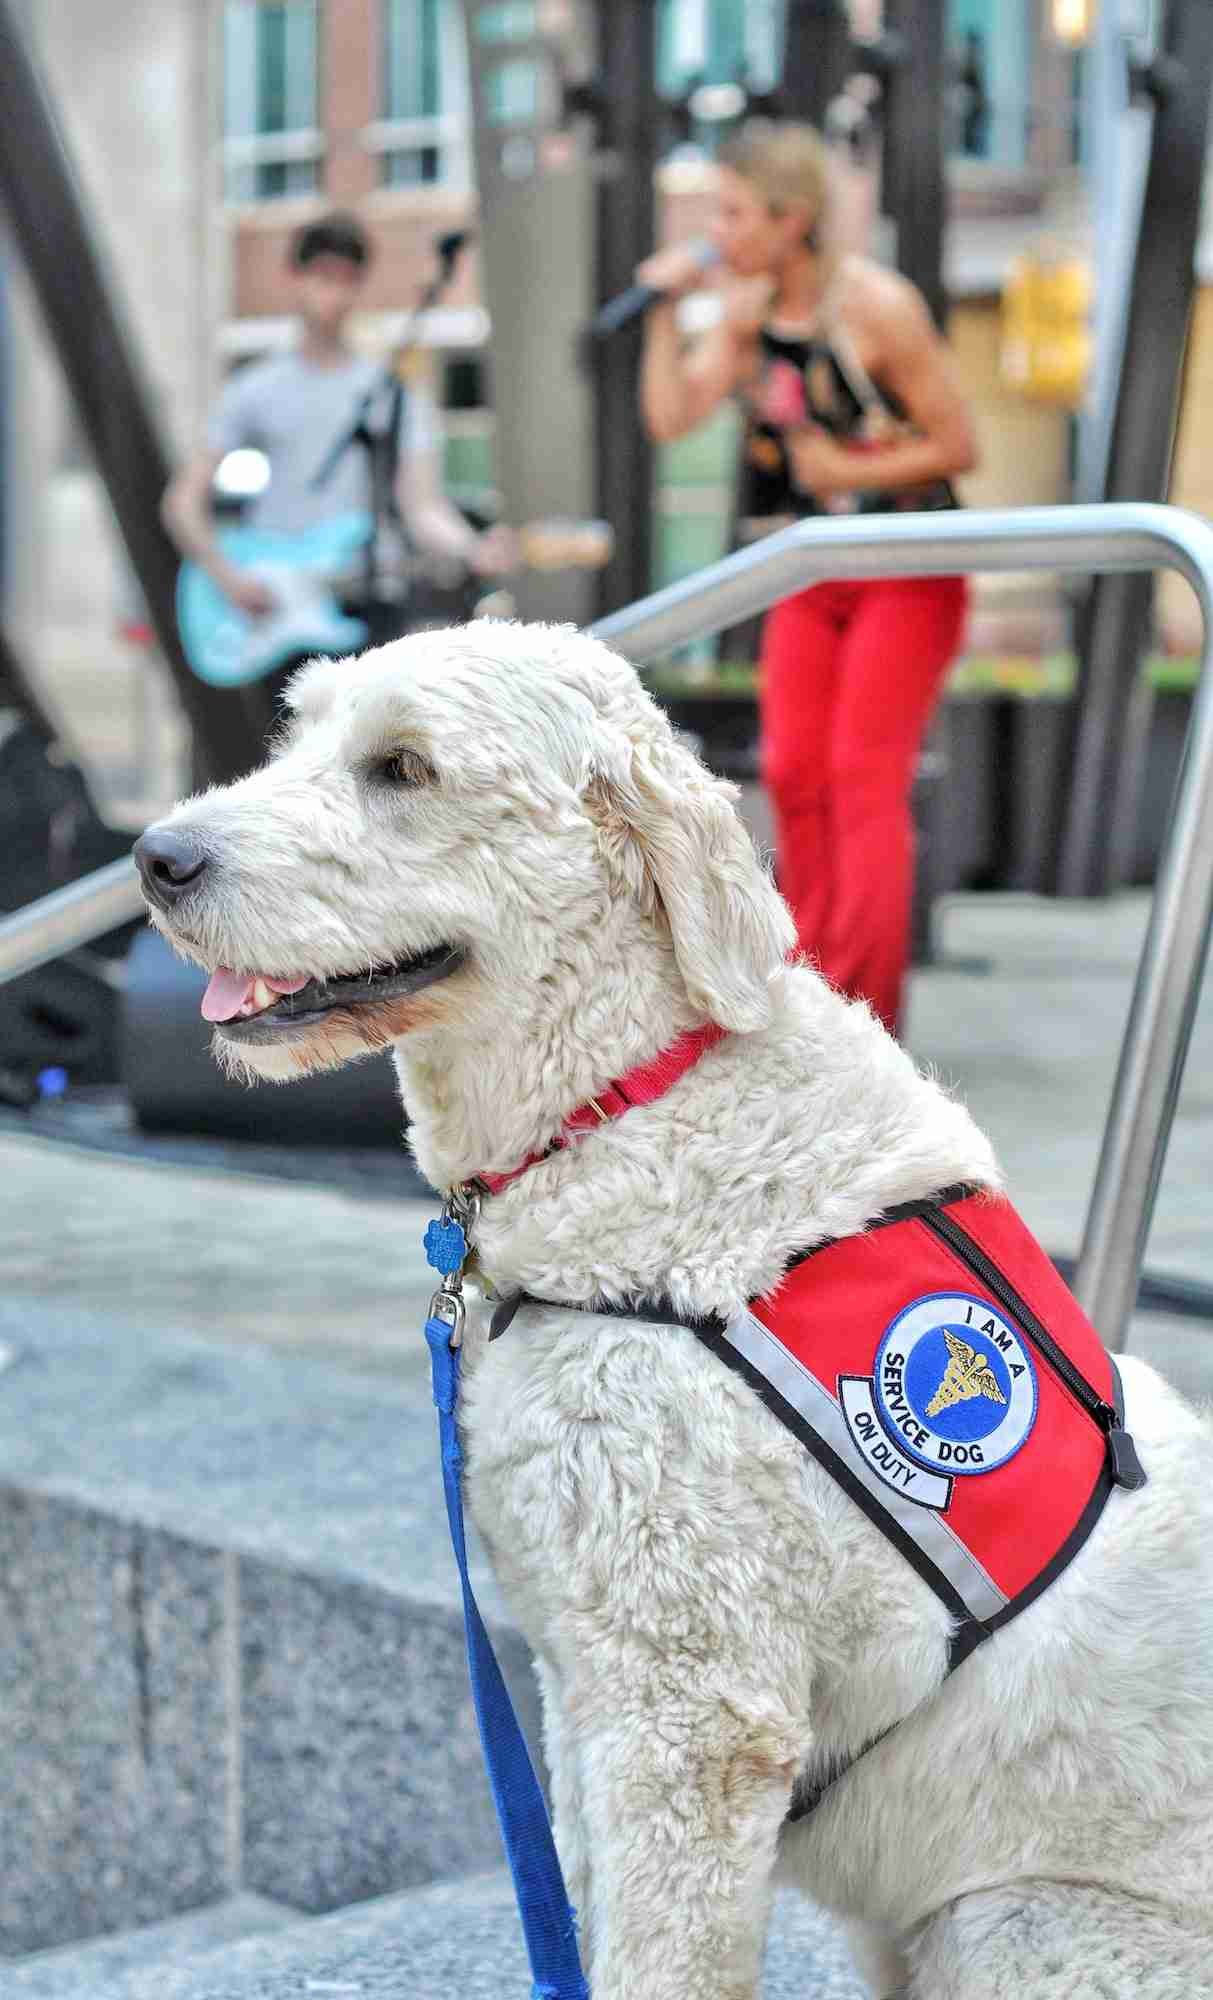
672	830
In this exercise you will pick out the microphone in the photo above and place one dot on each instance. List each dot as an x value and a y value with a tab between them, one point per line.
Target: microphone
447	247
636	301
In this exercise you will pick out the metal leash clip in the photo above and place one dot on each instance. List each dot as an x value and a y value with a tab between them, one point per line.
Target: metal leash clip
447	1304
446	1248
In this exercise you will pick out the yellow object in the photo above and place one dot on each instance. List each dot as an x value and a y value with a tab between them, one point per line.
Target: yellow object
1073	21
1045	350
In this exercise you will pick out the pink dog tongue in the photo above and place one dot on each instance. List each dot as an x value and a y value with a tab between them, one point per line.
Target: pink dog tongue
228	991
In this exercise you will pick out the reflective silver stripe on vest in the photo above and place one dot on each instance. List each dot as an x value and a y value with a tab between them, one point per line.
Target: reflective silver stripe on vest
821	1412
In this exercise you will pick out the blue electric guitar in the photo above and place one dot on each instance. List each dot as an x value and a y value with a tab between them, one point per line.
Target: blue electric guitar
227	648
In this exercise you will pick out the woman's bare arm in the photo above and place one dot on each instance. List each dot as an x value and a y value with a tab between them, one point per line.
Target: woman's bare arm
914	363
680	386
679	389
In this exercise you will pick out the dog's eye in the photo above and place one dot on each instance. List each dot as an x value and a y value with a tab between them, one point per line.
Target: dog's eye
404	770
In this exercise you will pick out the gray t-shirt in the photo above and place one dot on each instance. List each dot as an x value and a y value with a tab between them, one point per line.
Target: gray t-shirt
295	413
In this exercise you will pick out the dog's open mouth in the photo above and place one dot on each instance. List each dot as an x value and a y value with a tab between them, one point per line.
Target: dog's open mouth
256	1007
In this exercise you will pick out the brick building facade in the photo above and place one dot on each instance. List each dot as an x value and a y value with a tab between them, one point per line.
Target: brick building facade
358	71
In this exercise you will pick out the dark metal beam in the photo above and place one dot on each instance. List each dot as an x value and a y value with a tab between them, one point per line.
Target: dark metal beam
913	185
1100	806
816	57
626	160
7	387
17	691
44	204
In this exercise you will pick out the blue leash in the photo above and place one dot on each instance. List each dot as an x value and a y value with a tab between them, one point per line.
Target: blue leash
548	1922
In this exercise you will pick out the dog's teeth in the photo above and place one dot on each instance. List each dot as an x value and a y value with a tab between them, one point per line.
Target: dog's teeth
261	995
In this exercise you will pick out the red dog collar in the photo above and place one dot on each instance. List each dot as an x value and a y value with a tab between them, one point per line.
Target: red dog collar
642	1085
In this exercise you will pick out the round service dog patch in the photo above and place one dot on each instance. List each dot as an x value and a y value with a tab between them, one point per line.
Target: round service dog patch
952	1393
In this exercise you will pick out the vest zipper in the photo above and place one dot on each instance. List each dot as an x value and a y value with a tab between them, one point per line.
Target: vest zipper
1126	1467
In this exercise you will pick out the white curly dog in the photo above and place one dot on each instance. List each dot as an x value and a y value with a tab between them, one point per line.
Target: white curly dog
485	849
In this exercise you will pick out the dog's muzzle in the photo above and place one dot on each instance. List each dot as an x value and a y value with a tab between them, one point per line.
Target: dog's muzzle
170	867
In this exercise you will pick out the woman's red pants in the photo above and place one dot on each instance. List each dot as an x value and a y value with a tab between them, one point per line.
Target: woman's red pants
850	675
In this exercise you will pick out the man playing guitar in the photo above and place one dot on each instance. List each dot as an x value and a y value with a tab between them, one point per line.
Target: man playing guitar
344	442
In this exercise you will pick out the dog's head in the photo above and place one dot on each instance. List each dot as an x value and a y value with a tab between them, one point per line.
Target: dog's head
456	816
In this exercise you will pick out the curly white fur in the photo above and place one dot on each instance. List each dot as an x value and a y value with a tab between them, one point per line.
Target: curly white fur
707	1608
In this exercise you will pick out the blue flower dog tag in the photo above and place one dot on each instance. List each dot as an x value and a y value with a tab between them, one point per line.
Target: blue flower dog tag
446	1246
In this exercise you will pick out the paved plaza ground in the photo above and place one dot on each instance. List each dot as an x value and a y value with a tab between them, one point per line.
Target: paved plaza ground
1022	1013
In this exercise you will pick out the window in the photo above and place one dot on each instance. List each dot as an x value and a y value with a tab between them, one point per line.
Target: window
718	41
991	115
422	136
714	42
271	144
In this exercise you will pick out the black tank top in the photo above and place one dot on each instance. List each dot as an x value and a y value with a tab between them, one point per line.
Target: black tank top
841	397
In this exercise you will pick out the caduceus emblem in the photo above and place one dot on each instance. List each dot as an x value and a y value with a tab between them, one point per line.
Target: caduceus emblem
967	1374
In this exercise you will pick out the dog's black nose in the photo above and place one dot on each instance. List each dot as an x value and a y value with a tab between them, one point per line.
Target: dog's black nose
169	864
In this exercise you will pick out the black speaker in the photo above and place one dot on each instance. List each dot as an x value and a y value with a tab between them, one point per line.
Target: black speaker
175	1085
65	1015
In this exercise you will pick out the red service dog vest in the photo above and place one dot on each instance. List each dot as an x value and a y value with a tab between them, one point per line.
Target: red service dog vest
940	1370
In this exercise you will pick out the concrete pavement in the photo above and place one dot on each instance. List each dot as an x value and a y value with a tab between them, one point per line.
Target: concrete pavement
219	1254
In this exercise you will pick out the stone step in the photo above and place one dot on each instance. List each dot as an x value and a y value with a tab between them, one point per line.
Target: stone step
80	1969
452	1939
232	1654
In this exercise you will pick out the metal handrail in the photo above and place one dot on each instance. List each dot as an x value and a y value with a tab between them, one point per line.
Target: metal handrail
69	917
1118	538
1070	539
